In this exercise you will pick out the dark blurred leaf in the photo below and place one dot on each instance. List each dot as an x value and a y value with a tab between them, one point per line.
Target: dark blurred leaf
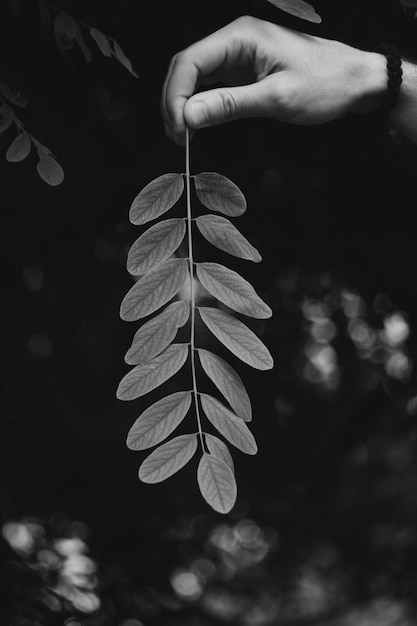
168	459
122	58
101	41
65	29
19	148
6	117
16	6
82	45
13	96
44	15
299	9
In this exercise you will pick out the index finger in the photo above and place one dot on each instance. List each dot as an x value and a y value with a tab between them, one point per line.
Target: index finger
187	68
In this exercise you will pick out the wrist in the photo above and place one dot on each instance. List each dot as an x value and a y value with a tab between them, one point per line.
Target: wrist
370	85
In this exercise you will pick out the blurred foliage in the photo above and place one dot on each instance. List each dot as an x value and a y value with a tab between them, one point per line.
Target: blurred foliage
324	530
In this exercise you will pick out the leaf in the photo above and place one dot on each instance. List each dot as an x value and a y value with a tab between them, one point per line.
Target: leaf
154	336
122	58
219	194
237	337
65	28
218	448
154	289
101	41
231	289
82	45
221	233
156	198
168	459
44	15
19	148
13	96
150	375
299	9
228	382
49	169
217	483
6	117
155	245
158	421
232	428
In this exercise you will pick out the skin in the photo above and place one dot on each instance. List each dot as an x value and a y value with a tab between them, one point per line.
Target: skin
265	70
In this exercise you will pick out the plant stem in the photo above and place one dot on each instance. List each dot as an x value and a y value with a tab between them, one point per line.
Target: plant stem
192	294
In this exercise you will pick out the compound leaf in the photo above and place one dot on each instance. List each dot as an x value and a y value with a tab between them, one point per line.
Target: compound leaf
168	459
151	374
154	336
19	148
224	235
158	421
156	198
123	60
49	169
232	428
218	448
237	337
6	117
101	41
154	289
217	483
155	245
219	194
231	289
228	382
298	8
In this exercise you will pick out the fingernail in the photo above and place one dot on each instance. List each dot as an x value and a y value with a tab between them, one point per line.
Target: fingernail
198	113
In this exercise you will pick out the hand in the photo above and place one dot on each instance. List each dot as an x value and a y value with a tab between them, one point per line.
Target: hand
268	71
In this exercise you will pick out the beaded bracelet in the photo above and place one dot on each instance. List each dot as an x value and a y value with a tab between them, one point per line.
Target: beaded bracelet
395	74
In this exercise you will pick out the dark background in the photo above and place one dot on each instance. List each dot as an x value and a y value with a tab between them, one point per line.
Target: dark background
324	529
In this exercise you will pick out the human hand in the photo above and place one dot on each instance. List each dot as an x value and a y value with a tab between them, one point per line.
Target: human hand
268	71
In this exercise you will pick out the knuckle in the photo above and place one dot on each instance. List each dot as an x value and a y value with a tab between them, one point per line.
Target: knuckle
249	24
246	21
179	57
228	103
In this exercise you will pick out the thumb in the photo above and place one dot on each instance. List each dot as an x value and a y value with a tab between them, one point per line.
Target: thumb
216	106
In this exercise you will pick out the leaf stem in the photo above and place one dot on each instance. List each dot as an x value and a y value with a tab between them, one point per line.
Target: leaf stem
192	294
